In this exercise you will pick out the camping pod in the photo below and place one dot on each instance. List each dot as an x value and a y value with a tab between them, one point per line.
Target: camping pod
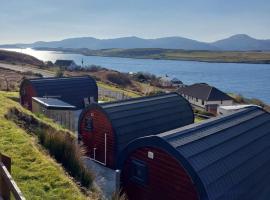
77	91
226	158
107	128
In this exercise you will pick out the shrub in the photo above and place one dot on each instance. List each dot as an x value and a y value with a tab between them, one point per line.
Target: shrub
60	144
201	112
119	195
155	92
93	68
59	73
119	79
144	77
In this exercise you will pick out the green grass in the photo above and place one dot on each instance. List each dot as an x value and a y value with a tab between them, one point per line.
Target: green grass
113	88
197	119
36	173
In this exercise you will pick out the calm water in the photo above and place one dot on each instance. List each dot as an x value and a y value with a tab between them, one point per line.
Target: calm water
250	80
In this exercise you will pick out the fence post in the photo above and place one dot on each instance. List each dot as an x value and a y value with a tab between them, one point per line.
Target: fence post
4	190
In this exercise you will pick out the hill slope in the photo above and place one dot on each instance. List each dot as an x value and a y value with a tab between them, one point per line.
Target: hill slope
242	42
19	58
37	175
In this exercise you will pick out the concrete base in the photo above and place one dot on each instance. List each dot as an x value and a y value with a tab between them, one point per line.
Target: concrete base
105	178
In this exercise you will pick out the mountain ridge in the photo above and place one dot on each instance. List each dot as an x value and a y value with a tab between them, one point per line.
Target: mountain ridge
238	42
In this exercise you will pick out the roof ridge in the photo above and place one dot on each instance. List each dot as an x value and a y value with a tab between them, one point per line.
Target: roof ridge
204	133
208	123
209	92
140	98
58	78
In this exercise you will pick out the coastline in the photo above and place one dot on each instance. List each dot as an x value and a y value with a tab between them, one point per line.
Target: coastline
100	53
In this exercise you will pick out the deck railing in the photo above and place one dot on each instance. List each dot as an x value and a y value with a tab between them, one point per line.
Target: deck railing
7	184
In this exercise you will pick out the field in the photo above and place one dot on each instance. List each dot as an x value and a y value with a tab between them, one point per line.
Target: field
35	172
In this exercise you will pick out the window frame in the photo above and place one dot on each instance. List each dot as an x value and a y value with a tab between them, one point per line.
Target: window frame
139	165
86	127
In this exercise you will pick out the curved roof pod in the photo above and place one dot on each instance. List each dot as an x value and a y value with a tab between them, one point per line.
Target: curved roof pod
133	118
72	90
227	157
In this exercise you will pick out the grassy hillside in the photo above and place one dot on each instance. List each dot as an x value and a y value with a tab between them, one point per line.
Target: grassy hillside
37	175
19	58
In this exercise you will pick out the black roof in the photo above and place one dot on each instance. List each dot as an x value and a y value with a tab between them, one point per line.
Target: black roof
205	92
142	116
72	90
176	80
227	157
64	63
51	103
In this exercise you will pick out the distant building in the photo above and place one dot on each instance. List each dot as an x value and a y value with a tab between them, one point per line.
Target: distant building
176	82
170	82
66	64
205	97
223	110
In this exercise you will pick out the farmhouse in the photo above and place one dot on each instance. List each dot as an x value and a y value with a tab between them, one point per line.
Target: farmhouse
205	97
107	128
226	158
76	91
66	64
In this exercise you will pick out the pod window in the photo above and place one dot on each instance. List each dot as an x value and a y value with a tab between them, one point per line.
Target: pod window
88	124
139	172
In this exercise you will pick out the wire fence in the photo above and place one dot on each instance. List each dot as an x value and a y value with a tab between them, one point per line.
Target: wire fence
104	92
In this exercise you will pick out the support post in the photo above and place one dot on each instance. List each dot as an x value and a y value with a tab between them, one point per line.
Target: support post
4	189
117	180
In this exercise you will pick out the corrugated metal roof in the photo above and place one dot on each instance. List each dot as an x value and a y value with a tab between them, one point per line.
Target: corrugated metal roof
227	152
227	157
142	116
72	90
53	103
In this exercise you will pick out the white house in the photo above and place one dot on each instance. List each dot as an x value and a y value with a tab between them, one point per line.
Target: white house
205	97
66	64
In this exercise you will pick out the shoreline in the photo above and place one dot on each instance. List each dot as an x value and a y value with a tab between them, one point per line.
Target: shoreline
150	57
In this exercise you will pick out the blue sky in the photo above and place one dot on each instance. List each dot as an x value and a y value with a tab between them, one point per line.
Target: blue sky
204	20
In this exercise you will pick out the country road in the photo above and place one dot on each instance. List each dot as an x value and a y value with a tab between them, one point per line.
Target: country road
23	68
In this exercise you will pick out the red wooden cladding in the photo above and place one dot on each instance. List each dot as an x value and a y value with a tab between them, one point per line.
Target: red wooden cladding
96	137
27	93
167	179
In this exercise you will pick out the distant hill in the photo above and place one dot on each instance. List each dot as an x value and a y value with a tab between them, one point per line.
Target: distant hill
242	42
239	42
19	58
